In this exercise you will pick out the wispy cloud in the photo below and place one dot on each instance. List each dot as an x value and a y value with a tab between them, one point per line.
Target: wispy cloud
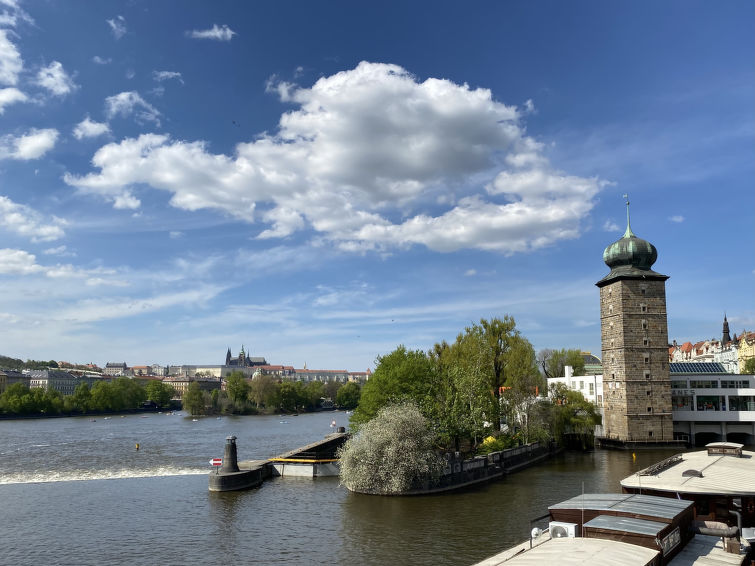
131	103
160	76
101	60
677	218
27	222
117	26
217	33
610	226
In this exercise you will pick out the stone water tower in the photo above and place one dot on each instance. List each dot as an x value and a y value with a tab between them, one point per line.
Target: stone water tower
634	337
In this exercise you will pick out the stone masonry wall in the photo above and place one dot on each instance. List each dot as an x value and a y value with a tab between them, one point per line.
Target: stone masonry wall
634	338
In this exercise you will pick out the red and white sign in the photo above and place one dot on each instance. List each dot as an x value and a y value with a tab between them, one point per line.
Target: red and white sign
216	462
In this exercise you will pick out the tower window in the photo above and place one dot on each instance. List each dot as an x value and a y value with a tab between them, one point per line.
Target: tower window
647	358
644	341
643	308
643	290
647	374
650	433
644	324
650	409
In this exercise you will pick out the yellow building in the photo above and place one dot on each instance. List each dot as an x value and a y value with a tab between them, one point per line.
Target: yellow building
746	349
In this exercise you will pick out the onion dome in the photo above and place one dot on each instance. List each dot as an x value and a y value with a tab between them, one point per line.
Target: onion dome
630	258
630	251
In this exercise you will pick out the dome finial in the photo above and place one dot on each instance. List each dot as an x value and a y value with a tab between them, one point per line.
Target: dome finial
628	233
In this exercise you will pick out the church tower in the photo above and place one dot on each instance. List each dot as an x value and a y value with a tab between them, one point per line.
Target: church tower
634	338
726	338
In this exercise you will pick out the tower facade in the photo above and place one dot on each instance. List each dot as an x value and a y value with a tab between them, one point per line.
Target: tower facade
634	339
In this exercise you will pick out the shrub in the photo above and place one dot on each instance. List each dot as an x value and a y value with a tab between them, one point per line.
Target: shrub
392	453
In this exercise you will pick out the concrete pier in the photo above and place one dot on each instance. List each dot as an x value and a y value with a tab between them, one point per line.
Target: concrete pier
230	477
317	459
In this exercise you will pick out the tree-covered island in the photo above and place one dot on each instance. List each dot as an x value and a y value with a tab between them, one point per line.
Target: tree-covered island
483	393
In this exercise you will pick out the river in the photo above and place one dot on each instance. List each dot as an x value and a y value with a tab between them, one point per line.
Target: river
76	491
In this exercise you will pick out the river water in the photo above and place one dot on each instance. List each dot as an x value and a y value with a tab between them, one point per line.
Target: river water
76	491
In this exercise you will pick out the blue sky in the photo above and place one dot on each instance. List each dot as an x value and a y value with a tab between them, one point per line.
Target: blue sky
322	181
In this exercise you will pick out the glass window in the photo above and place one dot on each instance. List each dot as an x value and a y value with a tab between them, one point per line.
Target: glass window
703	384
681	402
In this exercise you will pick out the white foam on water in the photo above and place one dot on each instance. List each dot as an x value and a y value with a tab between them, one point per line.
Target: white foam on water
85	475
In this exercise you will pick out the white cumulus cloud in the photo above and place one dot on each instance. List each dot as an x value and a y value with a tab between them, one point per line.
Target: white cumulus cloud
9	96
32	145
131	103
18	262
55	79
27	222
88	128
217	33
370	158
11	63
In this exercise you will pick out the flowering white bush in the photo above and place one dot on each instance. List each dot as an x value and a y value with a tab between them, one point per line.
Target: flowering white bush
391	453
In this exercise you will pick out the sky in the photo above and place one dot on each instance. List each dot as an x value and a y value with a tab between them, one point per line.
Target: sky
321	182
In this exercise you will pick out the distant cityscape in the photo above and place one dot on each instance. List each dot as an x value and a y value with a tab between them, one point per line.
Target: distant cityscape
67	376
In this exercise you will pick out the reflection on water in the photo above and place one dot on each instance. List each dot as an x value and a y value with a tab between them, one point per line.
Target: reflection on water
135	507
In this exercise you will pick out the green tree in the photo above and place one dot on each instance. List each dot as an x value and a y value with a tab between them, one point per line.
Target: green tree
159	392
393	452
237	388
193	400
553	362
401	375
313	392
570	412
749	367
82	397
263	391
524	384
103	397
463	402
290	396
348	395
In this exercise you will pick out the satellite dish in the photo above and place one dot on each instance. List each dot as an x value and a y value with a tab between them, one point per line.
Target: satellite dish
536	533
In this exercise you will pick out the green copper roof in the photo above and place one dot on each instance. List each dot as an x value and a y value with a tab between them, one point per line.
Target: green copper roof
630	258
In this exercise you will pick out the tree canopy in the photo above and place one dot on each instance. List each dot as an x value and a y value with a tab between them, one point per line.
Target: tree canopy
392	453
552	362
401	375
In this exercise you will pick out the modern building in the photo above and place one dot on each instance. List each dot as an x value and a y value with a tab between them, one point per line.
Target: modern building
634	343
708	403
